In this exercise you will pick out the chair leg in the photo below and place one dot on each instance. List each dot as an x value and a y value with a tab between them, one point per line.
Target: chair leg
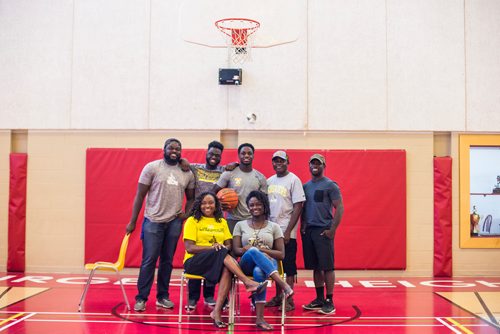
123	290
232	293
283	305
237	296
283	309
84	293
181	295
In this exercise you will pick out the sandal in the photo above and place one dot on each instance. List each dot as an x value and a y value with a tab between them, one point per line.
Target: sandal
264	326
261	287
219	324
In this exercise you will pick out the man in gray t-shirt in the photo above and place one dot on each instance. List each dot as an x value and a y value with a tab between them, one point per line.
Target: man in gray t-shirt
243	179
286	197
165	185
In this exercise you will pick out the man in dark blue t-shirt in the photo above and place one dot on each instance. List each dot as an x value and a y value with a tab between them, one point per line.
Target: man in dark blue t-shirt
318	228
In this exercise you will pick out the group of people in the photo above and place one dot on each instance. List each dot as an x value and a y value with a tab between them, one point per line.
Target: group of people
261	230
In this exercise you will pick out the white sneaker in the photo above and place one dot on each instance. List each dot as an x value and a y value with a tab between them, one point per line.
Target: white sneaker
165	303
140	306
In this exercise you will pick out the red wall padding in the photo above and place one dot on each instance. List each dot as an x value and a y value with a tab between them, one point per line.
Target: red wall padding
17	212
442	217
372	234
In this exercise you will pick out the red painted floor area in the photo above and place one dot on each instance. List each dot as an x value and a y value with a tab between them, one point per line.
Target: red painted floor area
364	305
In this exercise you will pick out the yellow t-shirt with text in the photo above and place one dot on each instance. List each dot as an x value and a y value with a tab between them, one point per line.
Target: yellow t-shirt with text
205	232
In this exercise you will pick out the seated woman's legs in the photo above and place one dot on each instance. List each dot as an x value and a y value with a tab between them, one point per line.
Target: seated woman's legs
260	299
224	286
254	257
232	265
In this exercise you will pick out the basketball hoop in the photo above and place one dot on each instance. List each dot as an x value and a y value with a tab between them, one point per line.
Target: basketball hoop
238	34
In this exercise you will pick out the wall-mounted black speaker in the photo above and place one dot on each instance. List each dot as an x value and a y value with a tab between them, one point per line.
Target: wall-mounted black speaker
230	76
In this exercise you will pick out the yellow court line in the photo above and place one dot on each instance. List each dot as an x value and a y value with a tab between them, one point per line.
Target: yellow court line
11	318
459	326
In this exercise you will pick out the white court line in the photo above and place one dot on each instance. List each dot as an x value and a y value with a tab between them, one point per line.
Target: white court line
175	323
450	327
82	321
17	321
175	315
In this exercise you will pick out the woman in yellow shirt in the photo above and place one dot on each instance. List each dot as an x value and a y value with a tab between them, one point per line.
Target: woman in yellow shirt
208	241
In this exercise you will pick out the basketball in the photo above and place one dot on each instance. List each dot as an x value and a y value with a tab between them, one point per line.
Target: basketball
228	197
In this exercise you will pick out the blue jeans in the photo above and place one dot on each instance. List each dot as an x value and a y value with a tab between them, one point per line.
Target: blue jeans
159	240
258	265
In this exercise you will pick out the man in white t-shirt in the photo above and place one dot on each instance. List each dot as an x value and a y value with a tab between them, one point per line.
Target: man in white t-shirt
286	197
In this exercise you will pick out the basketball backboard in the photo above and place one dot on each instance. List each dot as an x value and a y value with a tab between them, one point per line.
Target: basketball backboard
279	20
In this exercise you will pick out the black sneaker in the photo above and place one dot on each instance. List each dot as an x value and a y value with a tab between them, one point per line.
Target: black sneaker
328	307
275	301
210	301
316	304
191	305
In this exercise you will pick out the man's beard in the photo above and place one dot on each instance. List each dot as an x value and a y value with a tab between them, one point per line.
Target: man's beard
207	160
170	160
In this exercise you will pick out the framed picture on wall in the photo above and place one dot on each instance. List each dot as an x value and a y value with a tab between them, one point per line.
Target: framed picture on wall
479	191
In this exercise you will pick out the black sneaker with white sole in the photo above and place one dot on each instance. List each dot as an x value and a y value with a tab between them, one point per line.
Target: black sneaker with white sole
191	305
328	307
210	301
316	304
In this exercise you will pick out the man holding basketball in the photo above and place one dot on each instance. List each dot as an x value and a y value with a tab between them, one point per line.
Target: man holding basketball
243	179
165	185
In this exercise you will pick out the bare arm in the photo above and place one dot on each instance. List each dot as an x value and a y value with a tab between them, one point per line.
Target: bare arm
216	189
231	166
192	248
238	249
228	244
337	217
189	204
142	190
303	223
185	165
297	210
278	251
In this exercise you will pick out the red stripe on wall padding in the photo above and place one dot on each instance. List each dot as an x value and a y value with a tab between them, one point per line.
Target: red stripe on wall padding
442	217
372	234
17	212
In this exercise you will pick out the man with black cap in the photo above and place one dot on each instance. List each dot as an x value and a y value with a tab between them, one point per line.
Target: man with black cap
318	229
165	185
286	197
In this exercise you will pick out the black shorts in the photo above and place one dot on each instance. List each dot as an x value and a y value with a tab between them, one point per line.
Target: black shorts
207	264
318	250
290	260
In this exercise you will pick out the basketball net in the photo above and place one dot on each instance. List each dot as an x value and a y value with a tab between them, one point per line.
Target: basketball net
239	35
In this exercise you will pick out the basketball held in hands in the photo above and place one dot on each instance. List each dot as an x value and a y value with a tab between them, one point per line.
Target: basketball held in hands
228	198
